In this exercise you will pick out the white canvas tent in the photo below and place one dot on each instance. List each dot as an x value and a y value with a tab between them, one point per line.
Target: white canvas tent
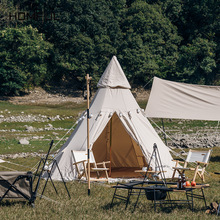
183	101
119	132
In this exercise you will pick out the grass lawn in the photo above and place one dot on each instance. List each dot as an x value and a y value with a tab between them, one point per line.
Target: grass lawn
82	206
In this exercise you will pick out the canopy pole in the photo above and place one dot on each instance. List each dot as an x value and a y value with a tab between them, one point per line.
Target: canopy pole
88	116
110	168
165	137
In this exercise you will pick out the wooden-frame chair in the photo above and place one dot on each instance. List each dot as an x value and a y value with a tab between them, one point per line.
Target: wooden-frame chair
80	163
200	158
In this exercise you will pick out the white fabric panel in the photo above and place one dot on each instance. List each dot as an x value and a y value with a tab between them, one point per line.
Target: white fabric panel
184	101
113	76
107	99
147	137
200	156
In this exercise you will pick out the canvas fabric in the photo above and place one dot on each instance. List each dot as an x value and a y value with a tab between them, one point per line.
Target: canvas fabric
183	101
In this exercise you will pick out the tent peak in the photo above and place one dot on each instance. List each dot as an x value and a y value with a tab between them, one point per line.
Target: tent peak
113	76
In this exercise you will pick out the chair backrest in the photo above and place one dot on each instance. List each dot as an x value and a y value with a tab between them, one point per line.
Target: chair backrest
201	156
79	156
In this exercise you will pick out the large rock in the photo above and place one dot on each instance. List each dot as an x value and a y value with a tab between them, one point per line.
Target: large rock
29	128
23	141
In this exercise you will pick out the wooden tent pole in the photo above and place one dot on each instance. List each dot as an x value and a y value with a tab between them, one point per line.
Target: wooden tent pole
110	166
88	116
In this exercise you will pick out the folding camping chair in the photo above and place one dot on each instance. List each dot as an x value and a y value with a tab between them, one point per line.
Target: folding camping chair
80	163
17	185
200	158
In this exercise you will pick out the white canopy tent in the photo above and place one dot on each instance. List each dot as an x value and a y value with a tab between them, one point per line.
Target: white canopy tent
119	131
183	101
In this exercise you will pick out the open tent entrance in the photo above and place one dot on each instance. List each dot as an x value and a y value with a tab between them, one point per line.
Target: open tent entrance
117	146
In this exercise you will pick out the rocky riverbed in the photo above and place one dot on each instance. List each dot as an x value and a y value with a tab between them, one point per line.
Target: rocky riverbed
201	137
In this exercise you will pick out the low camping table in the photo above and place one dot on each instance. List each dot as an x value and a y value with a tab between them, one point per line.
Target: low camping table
190	195
133	188
16	185
154	187
153	190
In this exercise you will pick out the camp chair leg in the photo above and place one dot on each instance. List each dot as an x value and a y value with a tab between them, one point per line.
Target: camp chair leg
196	171
174	172
106	172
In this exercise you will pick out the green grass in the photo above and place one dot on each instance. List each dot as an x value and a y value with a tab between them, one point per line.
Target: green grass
97	205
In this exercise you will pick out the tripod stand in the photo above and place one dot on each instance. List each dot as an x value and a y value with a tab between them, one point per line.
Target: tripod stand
155	157
48	169
158	167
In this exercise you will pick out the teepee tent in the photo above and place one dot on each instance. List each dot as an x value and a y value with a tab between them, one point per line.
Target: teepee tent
119	132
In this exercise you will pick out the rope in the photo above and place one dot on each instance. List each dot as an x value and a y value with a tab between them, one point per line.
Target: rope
175	153
48	199
34	167
148	82
7	168
64	135
17	164
14	164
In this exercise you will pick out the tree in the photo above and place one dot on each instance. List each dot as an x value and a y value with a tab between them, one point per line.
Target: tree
23	54
150	43
197	62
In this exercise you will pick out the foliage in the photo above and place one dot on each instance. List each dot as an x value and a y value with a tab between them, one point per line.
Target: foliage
198	24
150	43
197	61
23	54
150	38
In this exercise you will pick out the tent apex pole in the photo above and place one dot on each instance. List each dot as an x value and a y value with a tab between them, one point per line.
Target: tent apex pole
88	116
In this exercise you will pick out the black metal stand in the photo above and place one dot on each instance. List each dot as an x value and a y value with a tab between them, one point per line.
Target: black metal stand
48	172
52	164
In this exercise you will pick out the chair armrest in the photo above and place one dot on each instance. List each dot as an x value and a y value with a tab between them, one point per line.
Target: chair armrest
198	162
79	162
179	161
104	162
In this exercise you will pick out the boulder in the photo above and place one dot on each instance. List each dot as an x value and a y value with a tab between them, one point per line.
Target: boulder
23	141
